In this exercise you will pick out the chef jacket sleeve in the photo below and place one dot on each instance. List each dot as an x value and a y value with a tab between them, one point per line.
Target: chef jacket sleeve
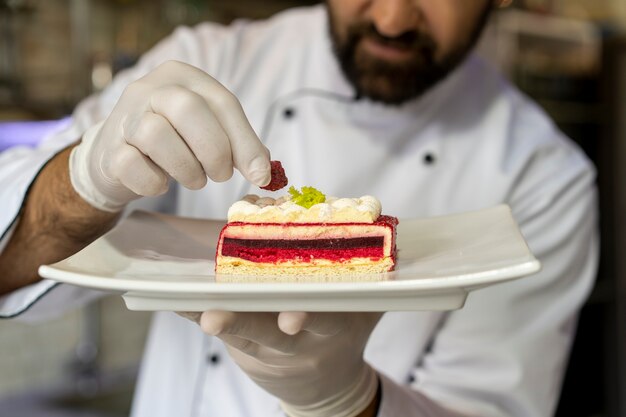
506	351
19	166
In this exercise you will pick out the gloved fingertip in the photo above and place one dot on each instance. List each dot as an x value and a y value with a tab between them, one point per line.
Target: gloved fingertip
291	322
197	183
259	172
213	323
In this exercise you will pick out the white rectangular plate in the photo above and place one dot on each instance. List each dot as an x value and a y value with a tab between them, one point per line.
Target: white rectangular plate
164	262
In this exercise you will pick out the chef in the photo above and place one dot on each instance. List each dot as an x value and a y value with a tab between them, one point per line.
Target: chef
355	97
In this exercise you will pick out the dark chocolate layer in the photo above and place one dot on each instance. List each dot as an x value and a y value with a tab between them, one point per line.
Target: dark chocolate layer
339	243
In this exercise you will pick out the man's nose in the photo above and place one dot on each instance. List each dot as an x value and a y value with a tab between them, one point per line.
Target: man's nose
395	17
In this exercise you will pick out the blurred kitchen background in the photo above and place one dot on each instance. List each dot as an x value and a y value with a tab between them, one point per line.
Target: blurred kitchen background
570	55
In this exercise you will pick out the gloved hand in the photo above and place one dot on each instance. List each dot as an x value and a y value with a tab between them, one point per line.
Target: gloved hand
313	362
176	122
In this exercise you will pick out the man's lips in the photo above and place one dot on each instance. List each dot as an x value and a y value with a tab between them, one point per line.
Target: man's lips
386	51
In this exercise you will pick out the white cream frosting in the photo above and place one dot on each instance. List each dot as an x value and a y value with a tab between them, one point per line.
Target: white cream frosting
254	209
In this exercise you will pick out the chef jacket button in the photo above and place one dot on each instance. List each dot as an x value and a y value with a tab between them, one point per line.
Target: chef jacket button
214	359
411	379
429	158
289	113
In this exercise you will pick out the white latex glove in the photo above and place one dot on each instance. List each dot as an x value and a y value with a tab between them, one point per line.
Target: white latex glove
313	362
178	122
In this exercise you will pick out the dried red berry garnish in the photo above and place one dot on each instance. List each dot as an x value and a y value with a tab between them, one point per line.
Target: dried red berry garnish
279	179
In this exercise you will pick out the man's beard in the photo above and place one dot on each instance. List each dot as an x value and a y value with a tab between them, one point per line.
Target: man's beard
396	82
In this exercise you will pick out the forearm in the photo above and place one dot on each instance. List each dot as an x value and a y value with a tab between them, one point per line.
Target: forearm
54	223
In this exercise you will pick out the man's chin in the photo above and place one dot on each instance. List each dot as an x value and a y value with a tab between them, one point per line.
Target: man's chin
388	89
392	82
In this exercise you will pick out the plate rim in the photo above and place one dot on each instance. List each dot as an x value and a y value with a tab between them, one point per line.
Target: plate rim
474	279
133	282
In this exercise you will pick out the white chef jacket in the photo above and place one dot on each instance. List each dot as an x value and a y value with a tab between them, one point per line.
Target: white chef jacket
471	142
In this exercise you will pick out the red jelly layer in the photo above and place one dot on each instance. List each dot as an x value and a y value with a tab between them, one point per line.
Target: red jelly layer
276	254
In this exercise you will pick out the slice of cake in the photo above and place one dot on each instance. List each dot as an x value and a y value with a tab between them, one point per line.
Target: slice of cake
306	234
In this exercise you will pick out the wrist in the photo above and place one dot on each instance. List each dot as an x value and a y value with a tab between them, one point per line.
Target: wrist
374	406
357	400
86	179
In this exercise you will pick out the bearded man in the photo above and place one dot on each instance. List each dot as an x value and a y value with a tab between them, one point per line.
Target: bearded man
355	97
